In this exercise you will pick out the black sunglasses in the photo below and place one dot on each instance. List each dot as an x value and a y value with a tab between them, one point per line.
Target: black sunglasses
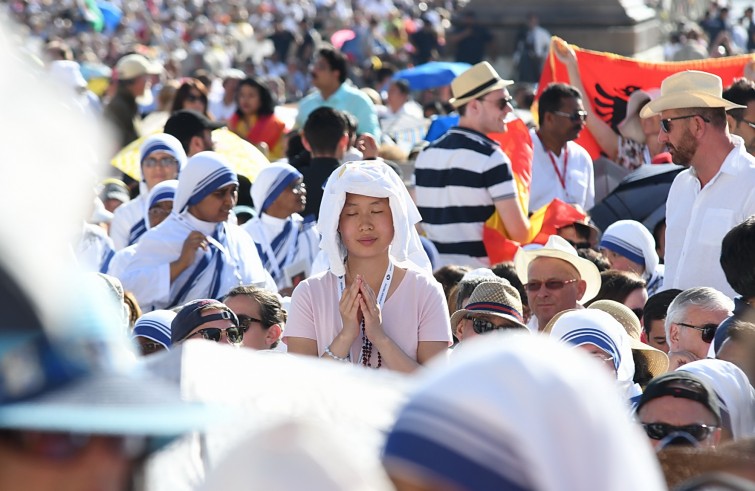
708	330
61	446
501	103
534	286
577	116
234	334
666	123
481	326
659	431
245	321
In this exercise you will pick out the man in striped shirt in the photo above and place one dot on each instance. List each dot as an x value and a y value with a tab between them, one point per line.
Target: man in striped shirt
464	177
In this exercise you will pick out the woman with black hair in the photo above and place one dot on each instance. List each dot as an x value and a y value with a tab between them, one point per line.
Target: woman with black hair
255	119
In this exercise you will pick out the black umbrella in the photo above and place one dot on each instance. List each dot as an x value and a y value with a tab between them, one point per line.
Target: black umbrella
640	196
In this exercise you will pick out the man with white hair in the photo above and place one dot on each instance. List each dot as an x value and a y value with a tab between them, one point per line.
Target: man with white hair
555	279
693	318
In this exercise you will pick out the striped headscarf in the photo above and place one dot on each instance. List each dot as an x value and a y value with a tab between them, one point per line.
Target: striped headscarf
519	412
635	242
205	172
163	191
155	325
163	142
270	183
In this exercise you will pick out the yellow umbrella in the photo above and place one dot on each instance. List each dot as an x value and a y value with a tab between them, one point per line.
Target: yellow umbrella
245	158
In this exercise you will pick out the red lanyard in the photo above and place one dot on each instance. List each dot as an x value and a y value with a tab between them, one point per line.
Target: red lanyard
561	177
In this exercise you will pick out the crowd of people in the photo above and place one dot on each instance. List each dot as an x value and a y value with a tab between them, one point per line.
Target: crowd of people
584	359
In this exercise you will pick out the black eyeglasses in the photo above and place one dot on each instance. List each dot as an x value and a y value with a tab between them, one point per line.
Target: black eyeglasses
748	123
659	431
234	334
577	116
193	98
666	123
501	103
61	446
534	286
162	162
481	326
708	330
245	321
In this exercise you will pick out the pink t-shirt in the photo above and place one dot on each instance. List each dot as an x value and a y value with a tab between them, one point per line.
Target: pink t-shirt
416	311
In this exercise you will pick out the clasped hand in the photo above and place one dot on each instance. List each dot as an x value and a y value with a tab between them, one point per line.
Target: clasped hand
359	303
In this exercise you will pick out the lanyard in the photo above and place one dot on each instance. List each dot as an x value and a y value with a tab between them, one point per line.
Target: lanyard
561	177
382	293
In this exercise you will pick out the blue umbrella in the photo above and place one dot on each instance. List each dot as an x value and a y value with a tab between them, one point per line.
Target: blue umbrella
432	74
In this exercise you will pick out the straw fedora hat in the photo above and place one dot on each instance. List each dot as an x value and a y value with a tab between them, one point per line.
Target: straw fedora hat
493	298
656	359
476	82
557	247
687	89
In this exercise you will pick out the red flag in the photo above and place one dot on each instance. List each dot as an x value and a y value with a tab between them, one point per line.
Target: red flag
609	79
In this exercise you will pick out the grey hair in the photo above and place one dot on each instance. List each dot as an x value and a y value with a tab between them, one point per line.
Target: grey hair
707	299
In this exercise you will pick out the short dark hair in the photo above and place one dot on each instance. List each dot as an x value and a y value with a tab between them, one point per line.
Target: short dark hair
449	276
323	130
402	85
507	271
740	92
737	258
617	285
271	309
551	98
597	258
656	307
267	102
336	61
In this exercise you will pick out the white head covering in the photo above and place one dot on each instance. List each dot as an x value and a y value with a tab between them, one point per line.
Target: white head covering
163	142
370	178
155	325
205	172
162	191
271	181
634	241
520	412
590	326
735	394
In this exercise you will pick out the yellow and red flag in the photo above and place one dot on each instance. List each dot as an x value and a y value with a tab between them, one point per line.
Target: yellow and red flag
610	79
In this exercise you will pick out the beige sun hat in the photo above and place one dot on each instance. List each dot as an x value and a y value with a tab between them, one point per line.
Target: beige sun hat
631	126
135	65
493	298
476	82
656	359
557	247
687	89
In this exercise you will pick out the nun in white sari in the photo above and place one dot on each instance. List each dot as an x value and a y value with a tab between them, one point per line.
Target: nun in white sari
195	252
161	157
286	242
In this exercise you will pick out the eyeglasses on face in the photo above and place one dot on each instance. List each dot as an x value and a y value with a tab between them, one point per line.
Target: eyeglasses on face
193	98
602	356
233	334
481	326
163	162
659	431
149	347
245	321
534	286
708	330
748	123
61	446
666	123
577	116
502	103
